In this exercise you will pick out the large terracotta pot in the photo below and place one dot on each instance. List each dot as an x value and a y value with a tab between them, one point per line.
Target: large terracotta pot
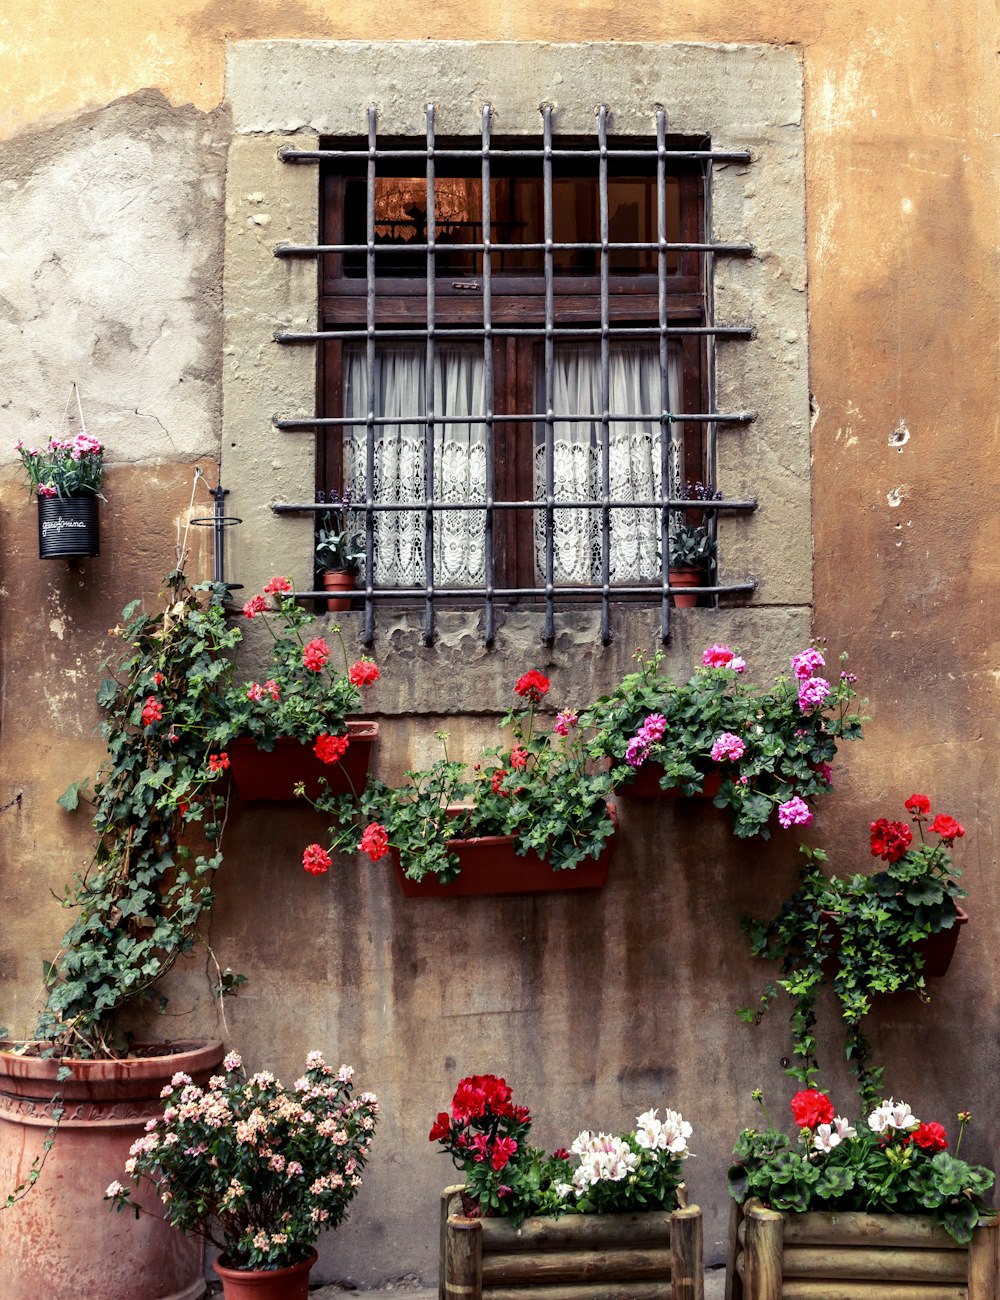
490	865
290	1283
62	1241
273	774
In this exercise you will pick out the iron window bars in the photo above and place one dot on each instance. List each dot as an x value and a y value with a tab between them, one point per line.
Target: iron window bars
489	330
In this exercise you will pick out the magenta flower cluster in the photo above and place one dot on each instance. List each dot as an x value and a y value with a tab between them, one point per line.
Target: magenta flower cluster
644	739
727	746
812	690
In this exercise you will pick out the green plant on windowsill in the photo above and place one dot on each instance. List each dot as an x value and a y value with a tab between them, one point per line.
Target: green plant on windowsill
339	546
691	545
863	934
536	787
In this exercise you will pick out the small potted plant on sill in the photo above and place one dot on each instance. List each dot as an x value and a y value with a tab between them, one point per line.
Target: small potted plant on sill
865	1211
610	1211
757	751
66	477
691	545
256	1169
529	816
291	728
340	552
867	934
158	810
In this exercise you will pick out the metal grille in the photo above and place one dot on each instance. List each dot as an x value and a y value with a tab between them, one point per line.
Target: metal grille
486	330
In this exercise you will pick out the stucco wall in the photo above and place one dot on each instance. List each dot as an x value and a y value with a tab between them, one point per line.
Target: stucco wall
118	142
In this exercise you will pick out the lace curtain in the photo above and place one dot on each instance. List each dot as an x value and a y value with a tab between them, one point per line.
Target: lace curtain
634	462
400	468
460	461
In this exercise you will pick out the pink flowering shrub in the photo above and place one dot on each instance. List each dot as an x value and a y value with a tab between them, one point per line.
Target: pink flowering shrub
257	1169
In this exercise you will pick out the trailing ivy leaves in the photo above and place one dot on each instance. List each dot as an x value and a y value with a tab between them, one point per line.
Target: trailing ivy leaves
158	810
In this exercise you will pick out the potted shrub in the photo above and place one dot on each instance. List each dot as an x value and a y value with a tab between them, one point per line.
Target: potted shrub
759	751
339	553
867	1212
867	934
157	807
691	545
529	816
256	1169
292	727
610	1212
66	478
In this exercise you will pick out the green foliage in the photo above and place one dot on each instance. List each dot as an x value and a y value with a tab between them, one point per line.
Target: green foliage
892	1164
691	539
340	544
158	812
786	749
863	936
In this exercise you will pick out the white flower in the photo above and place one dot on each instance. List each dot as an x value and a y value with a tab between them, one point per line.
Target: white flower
232	1061
649	1132
114	1189
676	1131
563	1190
892	1114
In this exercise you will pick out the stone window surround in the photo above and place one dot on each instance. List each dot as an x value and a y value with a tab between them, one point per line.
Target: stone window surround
743	97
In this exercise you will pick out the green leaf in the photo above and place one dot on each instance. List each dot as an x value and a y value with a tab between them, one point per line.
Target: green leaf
70	797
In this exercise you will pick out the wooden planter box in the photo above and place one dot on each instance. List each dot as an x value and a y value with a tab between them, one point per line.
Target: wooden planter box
829	1255
651	1256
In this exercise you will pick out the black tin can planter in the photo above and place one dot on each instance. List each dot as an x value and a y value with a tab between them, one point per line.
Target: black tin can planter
68	526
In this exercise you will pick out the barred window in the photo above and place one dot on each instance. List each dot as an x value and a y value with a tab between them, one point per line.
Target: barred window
516	362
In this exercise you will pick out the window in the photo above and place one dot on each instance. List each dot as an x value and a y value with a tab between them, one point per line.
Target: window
512	333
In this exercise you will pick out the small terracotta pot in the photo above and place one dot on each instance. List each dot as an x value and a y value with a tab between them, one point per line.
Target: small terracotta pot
338	580
290	1283
686	578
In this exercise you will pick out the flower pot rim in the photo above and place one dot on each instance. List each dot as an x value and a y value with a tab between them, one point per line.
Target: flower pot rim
225	1270
191	1055
357	728
492	841
961	917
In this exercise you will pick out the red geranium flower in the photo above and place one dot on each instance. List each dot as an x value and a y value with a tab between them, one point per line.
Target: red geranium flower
363	673
255	605
495	780
918	804
330	749
890	840
811	1107
441	1128
947	827
277	585
374	841
316	859
532	686
931	1137
518	757
218	762
152	711
316	653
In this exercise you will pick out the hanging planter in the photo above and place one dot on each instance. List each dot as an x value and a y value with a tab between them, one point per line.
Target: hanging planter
936	950
260	774
490	864
68	527
646	785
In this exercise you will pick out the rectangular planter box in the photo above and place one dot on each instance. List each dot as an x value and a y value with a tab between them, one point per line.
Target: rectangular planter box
651	1256
832	1255
273	774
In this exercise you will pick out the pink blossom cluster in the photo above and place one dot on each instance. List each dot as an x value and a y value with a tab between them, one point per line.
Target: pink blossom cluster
644	739
727	747
720	656
813	690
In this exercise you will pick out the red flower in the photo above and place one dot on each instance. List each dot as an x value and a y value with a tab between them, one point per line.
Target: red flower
316	653
480	1147
152	711
331	749
947	827
316	860
931	1137
890	840
374	841
811	1107
363	673
502	1152
919	805
218	762
441	1129
277	585
560	1153
255	605
518	757
496	779
532	686
182	806
157	679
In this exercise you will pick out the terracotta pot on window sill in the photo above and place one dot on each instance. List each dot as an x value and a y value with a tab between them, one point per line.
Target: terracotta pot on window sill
490	865
340	580
273	774
686	578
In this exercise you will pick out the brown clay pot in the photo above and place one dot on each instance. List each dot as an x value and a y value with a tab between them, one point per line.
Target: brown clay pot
937	949
61	1240
273	774
686	578
646	785
490	865
340	580
290	1283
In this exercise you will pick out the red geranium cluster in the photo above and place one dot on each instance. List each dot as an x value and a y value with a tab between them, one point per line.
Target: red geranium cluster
363	673
331	749
532	686
811	1108
484	1131
891	840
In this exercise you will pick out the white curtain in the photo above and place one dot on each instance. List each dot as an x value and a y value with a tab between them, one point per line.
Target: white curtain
634	461
400	469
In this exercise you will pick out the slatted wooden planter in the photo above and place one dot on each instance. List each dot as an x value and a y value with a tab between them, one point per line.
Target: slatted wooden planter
651	1256
827	1255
